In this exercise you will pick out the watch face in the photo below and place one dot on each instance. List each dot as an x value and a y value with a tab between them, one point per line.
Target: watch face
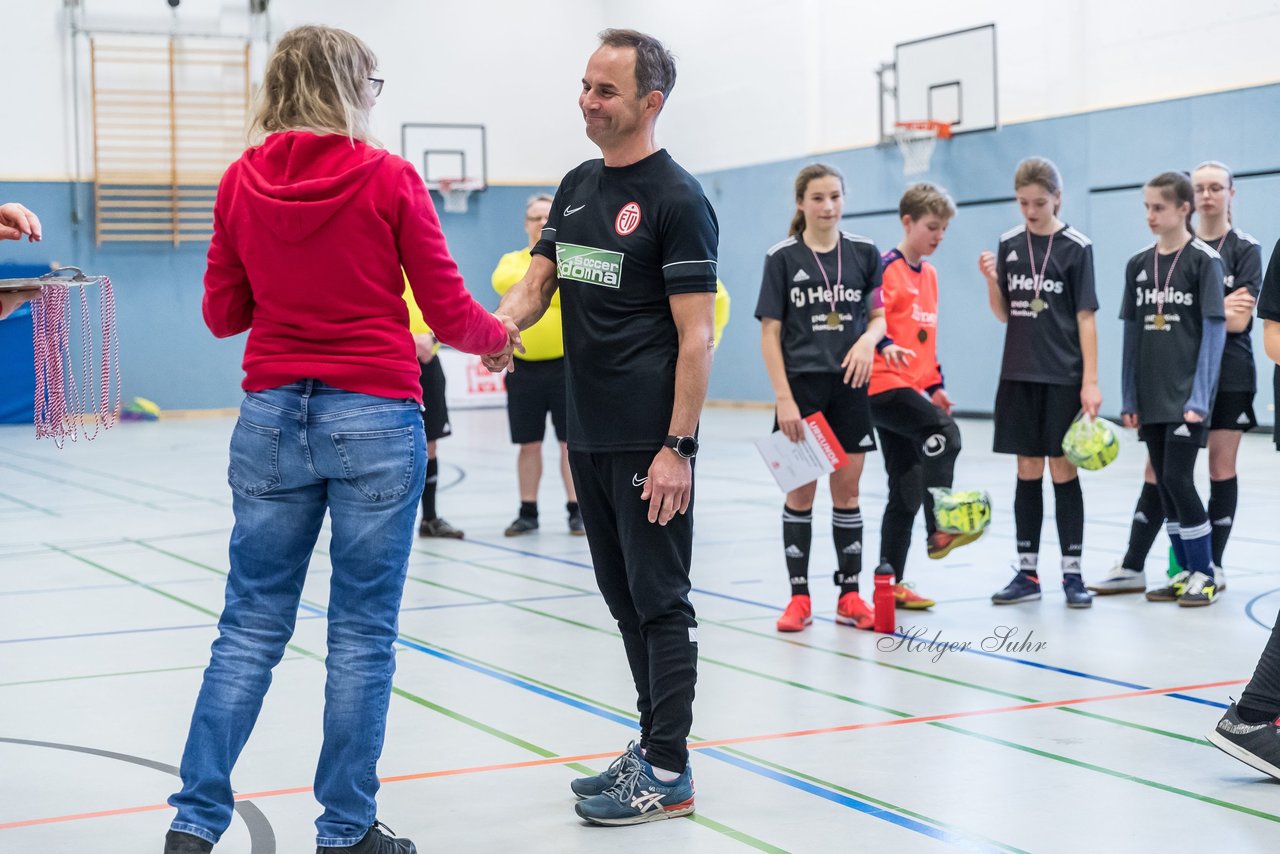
687	446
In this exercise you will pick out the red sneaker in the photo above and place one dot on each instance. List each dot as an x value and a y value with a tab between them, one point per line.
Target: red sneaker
906	597
852	611
942	544
798	614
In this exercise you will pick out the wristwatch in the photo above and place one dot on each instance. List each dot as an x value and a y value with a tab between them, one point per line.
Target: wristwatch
685	446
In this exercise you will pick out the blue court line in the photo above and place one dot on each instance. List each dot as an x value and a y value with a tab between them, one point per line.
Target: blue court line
1248	609
745	764
314	614
1066	671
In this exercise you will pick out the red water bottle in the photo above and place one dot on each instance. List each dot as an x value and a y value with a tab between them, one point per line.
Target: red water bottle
882	600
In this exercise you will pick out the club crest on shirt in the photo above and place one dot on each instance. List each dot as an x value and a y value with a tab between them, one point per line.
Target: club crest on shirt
628	219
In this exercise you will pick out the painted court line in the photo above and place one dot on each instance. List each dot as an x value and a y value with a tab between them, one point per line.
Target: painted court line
1066	671
700	746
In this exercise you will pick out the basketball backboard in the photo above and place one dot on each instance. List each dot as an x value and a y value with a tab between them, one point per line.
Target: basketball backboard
947	78
447	152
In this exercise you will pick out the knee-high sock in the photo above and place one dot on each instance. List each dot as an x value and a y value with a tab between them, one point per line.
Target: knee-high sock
1223	495
797	536
846	531
1069	512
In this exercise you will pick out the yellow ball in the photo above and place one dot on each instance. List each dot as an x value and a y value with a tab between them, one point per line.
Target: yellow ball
961	512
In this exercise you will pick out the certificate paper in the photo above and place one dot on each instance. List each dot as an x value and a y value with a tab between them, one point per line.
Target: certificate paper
793	464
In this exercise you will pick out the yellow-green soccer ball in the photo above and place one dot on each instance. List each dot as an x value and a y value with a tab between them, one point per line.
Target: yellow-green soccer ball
961	511
1091	444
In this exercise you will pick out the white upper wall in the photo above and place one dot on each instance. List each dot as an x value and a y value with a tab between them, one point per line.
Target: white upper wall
759	80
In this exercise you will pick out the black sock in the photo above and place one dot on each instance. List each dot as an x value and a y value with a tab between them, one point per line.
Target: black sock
1222	510
1148	517
429	491
1028	516
1069	512
572	507
846	530
797	535
1251	715
529	510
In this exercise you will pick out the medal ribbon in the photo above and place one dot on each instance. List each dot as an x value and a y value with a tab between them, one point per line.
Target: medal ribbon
1160	294
839	271
1037	279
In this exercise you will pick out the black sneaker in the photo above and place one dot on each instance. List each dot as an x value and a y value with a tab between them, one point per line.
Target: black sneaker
575	525
1256	745
379	840
522	525
438	527
1171	591
177	842
1023	588
1077	596
1200	591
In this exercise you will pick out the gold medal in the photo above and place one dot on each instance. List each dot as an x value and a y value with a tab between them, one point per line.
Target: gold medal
1158	323
833	319
1038	305
923	335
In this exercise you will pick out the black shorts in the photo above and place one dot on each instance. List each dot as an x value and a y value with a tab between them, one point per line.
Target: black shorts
533	390
1031	418
1233	410
1197	434
846	408
435	412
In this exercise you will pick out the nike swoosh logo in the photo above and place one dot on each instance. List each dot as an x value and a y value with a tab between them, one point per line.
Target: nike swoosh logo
637	480
572	211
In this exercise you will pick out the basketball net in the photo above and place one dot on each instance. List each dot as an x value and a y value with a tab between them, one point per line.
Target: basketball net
455	192
916	141
64	405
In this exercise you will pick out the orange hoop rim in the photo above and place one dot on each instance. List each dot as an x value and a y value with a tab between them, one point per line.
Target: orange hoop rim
942	130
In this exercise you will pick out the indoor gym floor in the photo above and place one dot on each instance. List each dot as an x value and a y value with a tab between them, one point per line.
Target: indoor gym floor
511	678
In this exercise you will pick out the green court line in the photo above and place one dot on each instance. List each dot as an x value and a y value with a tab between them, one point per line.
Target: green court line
102	675
703	820
63	465
851	656
7	497
901	714
95	490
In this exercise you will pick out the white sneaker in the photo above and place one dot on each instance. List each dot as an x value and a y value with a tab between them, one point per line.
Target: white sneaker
1120	580
1219	579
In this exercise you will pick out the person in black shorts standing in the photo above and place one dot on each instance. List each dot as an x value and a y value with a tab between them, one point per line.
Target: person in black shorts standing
1174	329
537	389
631	244
1248	730
819	332
1040	283
1232	414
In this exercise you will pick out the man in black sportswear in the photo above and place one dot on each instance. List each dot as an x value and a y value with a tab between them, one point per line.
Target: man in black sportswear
631	244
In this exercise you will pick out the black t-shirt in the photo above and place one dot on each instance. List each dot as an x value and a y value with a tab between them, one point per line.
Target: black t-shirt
1269	309
795	292
624	239
1242	262
1168	350
1044	347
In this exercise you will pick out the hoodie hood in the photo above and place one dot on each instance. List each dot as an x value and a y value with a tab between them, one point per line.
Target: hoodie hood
295	181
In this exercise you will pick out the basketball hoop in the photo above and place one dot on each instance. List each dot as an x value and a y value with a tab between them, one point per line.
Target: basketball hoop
916	141
455	192
64	404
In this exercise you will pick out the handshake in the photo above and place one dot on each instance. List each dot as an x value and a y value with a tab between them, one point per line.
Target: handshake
502	360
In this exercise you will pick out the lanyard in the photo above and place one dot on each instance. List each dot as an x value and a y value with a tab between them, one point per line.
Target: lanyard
1037	279
833	319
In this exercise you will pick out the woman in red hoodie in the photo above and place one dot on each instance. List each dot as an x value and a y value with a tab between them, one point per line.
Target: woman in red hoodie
311	230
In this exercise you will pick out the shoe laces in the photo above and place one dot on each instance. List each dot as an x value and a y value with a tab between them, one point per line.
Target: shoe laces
623	762
1196	584
625	786
383	829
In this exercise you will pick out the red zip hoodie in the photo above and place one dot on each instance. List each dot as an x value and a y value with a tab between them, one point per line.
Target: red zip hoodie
310	234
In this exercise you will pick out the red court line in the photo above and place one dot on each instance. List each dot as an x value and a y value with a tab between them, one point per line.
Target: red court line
700	745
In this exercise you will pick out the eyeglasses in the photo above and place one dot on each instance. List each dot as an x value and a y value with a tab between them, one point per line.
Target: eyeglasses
375	83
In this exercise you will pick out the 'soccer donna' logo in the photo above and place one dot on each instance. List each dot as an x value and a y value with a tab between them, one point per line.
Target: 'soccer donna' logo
628	219
589	265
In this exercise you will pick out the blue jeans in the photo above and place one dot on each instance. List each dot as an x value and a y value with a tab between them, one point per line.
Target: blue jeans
297	450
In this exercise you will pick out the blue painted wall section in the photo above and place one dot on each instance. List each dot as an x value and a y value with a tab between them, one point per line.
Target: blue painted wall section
168	355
